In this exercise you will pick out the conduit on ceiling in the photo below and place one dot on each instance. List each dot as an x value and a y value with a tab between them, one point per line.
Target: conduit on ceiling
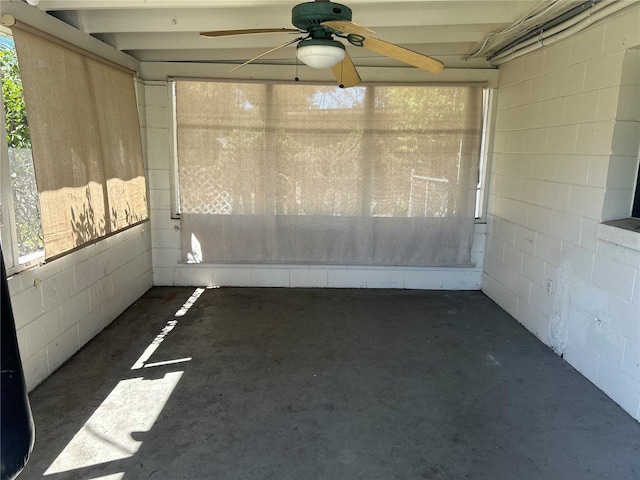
547	26
564	25
541	14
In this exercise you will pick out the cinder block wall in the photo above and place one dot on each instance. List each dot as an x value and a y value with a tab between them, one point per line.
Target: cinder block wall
60	306
565	158
168	269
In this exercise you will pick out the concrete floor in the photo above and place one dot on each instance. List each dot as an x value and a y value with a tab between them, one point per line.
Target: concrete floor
324	384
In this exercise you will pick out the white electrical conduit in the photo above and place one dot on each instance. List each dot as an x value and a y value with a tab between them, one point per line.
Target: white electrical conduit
534	17
573	25
567	24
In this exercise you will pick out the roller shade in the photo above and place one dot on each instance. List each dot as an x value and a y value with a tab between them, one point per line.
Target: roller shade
375	175
86	144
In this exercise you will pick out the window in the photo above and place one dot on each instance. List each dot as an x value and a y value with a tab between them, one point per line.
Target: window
22	238
380	175
635	211
85	139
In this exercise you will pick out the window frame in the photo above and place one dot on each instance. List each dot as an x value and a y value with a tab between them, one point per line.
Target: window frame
635	207
486	146
14	263
7	216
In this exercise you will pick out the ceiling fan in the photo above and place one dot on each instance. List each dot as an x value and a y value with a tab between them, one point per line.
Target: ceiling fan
321	20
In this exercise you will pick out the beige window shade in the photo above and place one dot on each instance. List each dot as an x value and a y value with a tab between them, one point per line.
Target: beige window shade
85	141
119	130
315	174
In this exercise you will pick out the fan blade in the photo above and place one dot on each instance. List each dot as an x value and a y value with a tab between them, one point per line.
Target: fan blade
346	73
384	48
250	31
344	26
403	54
267	52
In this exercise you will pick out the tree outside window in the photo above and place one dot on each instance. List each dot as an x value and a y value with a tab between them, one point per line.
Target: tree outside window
26	205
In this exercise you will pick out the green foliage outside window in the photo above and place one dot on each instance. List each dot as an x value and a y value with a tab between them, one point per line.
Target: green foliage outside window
25	194
13	98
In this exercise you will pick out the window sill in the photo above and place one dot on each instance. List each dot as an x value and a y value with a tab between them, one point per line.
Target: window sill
26	262
625	232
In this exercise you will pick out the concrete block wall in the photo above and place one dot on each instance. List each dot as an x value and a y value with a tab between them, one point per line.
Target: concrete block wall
60	306
168	269
565	159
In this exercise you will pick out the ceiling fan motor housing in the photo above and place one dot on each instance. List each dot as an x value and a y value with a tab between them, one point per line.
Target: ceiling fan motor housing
311	14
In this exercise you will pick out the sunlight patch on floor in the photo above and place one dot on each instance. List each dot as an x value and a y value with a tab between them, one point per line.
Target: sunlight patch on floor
117	428
171	324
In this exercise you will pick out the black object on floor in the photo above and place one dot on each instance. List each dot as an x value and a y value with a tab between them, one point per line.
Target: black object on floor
17	430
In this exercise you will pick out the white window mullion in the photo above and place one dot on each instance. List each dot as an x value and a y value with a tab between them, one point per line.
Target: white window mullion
7	219
488	117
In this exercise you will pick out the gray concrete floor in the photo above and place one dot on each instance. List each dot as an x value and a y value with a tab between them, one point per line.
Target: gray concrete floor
324	384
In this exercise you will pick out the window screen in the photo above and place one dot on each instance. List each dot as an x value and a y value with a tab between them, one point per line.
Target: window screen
378	175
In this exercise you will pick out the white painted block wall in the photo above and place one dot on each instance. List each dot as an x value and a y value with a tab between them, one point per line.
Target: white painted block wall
565	158
60	306
168	269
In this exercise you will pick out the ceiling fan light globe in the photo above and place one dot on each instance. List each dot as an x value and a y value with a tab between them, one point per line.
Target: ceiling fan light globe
320	56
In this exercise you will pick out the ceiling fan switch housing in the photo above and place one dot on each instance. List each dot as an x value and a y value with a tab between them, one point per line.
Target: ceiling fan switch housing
312	14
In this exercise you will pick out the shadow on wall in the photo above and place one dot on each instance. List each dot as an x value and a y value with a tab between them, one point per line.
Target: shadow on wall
130	216
83	223
86	227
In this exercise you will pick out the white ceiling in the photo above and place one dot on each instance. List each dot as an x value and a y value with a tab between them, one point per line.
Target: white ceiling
167	30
